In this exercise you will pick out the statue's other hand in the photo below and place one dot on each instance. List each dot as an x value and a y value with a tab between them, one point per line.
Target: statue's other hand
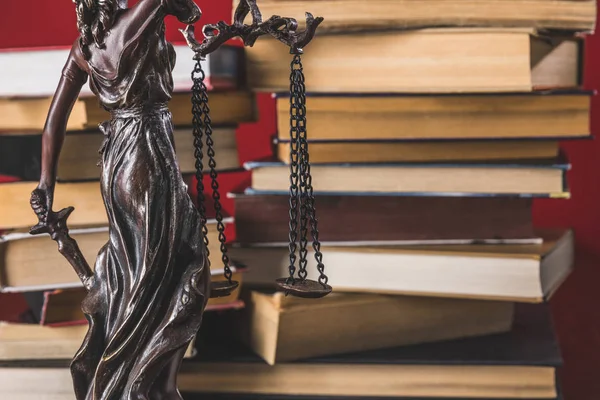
41	202
186	11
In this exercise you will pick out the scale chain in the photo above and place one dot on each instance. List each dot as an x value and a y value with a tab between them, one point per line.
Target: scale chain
299	117
201	117
294	180
198	79
305	197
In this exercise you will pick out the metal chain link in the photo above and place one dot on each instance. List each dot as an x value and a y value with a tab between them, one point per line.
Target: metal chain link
294	177
198	79
203	125
312	212
298	102
305	196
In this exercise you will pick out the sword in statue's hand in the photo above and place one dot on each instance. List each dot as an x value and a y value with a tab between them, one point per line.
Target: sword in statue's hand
55	224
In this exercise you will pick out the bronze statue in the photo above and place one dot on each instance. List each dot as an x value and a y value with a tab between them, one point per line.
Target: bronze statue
151	281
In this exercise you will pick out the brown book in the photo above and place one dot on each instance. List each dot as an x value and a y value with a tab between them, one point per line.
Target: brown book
16	214
263	219
431	60
32	263
35	342
63	306
29	114
20	155
539	115
80	150
350	323
345	15
443	151
524	273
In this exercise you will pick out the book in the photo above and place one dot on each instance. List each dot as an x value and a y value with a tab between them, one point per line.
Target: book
15	213
423	117
345	15
517	178
20	155
340	152
262	220
62	307
33	263
84	196
250	396
520	364
28	115
430	60
349	323
35	72
524	273
35	342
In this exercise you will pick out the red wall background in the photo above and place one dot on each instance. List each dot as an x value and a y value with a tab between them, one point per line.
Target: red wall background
575	307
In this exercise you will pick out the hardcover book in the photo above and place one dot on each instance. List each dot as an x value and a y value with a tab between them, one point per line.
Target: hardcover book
262	220
419	117
518	178
427	60
525	273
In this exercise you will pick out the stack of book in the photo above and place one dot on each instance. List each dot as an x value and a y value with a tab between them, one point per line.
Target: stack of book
428	147
31	265
519	364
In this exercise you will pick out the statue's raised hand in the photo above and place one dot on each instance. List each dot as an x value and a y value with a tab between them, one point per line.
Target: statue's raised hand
186	11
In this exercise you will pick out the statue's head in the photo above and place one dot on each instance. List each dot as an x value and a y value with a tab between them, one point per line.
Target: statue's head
95	18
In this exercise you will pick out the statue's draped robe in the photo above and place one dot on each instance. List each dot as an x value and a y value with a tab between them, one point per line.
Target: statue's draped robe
151	278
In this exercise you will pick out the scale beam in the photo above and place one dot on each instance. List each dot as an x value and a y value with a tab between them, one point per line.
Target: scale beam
283	29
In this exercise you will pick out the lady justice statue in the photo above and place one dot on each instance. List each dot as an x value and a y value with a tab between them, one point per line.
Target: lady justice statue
151	281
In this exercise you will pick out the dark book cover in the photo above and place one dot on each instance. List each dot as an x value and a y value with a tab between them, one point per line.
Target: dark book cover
20	156
264	219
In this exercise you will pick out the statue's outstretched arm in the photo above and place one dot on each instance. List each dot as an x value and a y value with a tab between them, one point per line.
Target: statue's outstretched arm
54	223
71	81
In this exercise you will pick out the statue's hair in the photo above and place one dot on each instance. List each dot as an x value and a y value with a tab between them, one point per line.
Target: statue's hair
94	19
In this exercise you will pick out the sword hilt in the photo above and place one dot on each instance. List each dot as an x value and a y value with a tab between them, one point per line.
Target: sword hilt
55	224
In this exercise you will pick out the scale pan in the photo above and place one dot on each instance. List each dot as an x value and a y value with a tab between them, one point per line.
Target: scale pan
307	288
222	288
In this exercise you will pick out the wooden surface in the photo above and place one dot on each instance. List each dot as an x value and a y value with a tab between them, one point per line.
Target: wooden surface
42	23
